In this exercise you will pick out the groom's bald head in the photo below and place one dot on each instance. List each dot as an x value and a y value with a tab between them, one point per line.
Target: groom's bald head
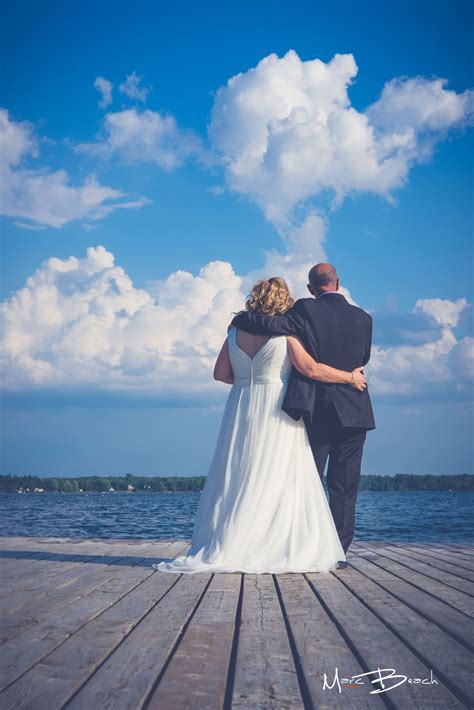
323	277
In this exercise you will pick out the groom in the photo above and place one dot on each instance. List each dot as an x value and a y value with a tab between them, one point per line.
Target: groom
337	416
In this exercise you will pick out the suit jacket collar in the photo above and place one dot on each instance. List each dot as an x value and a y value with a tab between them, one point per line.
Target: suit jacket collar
331	294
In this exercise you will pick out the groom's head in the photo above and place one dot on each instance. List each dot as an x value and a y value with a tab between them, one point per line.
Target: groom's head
322	277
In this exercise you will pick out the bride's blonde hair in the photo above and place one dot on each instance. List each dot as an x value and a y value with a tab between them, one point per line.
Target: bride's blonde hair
270	296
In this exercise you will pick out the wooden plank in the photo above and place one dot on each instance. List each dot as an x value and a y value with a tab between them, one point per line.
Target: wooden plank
320	648
144	548
452	621
464	562
427	569
124	680
196	673
46	602
15	540
93	546
29	647
265	674
436	563
15	598
34	546
9	563
67	572
44	553
65	569
457	599
16	543
52	681
169	631
378	647
27	574
8	542
451	662
461	548
92	576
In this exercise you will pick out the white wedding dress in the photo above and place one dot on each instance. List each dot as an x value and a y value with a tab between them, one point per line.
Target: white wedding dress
263	508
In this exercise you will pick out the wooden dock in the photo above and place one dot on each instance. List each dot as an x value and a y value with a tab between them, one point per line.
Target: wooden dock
90	625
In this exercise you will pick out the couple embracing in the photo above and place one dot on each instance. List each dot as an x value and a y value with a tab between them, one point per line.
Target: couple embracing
298	400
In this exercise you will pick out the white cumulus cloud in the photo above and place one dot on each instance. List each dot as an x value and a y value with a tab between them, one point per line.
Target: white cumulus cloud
144	136
131	88
446	313
461	361
287	132
104	87
80	323
45	197
439	368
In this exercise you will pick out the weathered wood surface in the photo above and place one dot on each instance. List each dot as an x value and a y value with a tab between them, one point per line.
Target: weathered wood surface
88	624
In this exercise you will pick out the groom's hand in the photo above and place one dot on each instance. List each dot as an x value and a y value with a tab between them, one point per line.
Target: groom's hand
358	380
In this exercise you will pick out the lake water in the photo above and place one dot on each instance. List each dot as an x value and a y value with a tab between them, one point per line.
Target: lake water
430	516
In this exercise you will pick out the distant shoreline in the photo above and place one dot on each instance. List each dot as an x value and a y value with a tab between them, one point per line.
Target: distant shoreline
194	484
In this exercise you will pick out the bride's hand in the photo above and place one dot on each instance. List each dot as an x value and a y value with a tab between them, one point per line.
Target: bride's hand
358	380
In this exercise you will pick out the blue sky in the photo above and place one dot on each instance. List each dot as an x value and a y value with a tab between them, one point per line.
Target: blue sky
91	389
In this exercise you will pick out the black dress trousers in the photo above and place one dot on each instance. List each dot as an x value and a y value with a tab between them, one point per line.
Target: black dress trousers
343	446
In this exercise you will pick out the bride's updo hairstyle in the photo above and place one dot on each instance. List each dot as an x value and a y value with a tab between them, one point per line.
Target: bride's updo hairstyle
270	296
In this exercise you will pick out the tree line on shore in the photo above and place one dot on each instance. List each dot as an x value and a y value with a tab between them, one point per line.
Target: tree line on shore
165	484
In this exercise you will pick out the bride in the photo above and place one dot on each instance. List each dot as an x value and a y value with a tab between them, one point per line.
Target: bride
263	508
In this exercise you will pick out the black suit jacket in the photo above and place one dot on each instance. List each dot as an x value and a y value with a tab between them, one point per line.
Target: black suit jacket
334	333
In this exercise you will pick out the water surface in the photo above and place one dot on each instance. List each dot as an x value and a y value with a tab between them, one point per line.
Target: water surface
425	516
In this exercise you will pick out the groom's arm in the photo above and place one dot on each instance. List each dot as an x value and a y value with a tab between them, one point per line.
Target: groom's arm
289	323
368	345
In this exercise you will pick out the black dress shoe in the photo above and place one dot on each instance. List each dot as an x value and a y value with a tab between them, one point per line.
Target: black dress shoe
342	564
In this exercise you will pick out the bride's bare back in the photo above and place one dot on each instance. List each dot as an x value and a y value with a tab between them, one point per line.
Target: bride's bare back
250	343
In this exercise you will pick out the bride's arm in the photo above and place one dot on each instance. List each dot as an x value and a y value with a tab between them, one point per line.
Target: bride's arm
308	367
223	369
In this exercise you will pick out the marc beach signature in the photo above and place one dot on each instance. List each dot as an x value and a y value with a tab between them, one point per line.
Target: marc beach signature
384	679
